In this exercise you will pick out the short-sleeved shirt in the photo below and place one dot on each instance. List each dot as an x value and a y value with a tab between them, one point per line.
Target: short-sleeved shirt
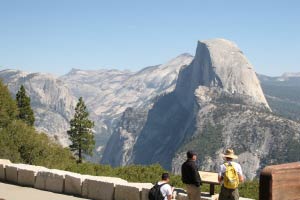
165	190
236	166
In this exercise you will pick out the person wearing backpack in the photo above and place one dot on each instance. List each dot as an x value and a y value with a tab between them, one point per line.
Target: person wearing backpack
230	175
161	190
190	176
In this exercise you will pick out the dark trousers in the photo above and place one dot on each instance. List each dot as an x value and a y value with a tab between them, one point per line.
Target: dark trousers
229	194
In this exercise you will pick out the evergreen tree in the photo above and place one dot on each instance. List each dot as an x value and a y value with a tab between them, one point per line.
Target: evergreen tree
20	142
8	107
80	132
25	111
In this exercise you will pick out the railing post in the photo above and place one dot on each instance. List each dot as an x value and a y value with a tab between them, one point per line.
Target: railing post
280	182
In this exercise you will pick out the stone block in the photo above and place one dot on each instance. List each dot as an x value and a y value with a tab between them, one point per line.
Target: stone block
98	190
27	174
133	190
144	189
11	173
280	182
50	180
84	188
2	172
26	177
113	180
124	192
55	181
141	185
144	194
73	183
86	185
3	162
40	181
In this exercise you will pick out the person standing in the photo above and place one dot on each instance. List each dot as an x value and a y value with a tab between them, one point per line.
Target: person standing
162	190
230	175
166	189
191	177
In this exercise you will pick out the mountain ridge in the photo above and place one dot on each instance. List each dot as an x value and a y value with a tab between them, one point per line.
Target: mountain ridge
178	96
107	94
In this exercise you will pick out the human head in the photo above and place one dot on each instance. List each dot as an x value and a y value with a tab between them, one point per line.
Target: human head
191	155
165	177
229	155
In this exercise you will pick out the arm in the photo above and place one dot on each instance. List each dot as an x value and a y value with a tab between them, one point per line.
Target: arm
220	174
241	178
196	175
240	173
220	179
170	192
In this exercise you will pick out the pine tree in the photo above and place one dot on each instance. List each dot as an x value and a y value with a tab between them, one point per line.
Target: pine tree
80	132
25	112
8	107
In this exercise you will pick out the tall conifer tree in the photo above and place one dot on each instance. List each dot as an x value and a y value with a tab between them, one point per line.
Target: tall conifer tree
25	112
80	132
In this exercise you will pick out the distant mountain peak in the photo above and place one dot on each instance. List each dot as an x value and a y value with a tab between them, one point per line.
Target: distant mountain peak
290	74
220	63
185	55
15	72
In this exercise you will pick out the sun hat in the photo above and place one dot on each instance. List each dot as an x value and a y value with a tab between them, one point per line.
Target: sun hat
229	153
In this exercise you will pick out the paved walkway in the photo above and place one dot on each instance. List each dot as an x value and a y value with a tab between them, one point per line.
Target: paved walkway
13	192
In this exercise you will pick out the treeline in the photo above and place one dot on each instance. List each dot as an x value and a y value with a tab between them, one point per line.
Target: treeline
21	143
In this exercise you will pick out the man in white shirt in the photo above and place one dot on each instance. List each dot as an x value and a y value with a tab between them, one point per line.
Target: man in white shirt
166	190
230	193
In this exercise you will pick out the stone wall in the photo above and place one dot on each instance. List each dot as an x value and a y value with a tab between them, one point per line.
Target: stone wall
91	187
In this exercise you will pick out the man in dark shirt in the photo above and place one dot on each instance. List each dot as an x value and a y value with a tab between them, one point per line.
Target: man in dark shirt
191	177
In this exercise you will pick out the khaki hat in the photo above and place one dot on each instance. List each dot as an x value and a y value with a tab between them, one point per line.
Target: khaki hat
229	153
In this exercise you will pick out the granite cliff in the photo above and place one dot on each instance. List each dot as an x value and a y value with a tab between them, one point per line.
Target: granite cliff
208	102
107	93
217	103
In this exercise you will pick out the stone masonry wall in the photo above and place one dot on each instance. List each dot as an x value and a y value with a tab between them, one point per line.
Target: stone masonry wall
86	186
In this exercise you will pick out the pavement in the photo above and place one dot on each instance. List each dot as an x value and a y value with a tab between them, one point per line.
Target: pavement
13	192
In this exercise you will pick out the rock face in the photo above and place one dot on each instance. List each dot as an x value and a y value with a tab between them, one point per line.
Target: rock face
110	93
217	103
51	100
124	137
147	85
208	103
231	67
283	94
175	115
107	93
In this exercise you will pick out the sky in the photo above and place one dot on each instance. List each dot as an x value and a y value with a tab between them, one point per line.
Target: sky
55	36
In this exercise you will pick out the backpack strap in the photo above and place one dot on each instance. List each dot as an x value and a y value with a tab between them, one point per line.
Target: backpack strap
228	164
159	186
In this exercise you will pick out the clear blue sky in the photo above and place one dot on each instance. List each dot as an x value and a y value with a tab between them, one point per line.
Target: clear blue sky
57	35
